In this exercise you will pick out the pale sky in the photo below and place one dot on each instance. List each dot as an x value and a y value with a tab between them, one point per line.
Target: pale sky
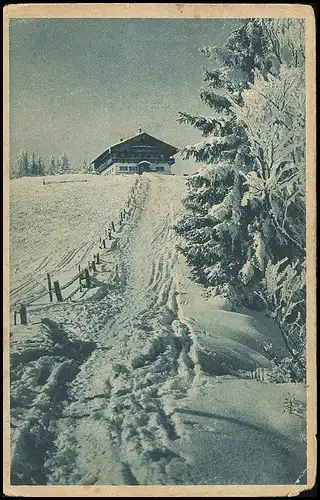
78	85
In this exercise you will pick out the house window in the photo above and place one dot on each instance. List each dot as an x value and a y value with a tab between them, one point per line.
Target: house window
132	169
160	169
123	169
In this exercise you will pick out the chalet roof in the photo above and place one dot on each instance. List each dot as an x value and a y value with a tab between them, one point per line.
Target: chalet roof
143	138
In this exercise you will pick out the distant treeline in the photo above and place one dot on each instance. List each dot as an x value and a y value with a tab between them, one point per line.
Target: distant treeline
32	165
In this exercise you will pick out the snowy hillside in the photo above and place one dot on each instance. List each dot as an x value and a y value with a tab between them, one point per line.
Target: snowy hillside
142	380
54	227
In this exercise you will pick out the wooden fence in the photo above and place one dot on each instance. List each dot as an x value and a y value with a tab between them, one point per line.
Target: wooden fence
83	275
46	182
55	290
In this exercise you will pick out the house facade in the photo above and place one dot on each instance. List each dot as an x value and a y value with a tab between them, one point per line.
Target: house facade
138	154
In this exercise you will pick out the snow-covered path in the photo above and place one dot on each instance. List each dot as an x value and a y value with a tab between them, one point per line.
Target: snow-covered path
119	417
144	408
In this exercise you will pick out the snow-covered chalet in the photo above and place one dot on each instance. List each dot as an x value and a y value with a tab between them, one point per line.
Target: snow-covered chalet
138	154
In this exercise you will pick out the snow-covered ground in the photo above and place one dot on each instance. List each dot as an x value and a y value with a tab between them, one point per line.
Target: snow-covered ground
143	379
56	226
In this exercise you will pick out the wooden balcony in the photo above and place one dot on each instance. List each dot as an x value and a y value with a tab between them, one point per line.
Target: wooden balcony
135	159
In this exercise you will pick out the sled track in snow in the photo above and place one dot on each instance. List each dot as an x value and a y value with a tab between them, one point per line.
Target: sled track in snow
25	285
23	291
36	279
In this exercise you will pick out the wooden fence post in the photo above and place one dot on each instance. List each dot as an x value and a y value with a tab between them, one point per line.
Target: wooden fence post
14	317
98	258
87	277
93	265
23	314
57	290
103	243
49	287
112	227
79	269
116	274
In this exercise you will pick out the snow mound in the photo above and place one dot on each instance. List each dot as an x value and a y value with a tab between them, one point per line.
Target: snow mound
42	362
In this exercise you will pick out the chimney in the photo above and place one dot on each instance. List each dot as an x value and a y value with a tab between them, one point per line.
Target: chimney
121	139
140	129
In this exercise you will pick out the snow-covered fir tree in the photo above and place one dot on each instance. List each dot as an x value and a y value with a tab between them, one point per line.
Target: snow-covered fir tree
20	167
58	166
216	223
52	167
36	167
246	204
41	169
25	167
33	165
86	169
64	166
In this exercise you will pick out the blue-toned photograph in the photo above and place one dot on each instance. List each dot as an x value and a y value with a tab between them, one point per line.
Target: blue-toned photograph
157	185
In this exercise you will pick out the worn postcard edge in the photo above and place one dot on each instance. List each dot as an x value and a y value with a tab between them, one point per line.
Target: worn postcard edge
178	10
